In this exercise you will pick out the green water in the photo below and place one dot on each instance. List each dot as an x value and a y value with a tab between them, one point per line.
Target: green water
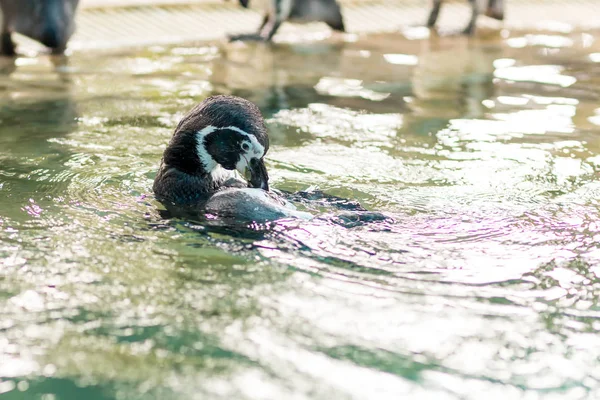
483	282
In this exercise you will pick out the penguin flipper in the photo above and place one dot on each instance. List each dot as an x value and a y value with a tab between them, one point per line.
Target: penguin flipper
470	28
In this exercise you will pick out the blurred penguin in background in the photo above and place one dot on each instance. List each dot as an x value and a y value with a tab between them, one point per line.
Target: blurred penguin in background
491	8
50	22
298	11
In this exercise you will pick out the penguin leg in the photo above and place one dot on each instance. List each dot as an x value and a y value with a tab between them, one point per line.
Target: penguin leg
58	51
336	20
470	29
270	24
280	12
434	13
495	9
263	23
7	46
251	36
270	28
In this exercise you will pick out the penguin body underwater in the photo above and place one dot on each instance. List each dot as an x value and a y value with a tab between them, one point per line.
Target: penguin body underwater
217	137
493	9
297	11
50	22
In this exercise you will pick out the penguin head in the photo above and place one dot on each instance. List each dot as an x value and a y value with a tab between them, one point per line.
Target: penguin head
222	131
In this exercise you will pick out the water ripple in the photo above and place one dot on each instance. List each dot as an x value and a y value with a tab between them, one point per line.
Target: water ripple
453	254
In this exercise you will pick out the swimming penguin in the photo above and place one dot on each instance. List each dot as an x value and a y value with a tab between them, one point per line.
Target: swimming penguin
493	9
50	22
299	11
217	137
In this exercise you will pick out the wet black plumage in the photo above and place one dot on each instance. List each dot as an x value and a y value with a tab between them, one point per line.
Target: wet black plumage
224	111
213	127
182	177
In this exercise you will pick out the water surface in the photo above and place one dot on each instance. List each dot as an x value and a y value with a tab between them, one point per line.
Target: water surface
483	280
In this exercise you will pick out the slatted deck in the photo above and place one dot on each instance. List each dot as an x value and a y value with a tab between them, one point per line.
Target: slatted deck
105	24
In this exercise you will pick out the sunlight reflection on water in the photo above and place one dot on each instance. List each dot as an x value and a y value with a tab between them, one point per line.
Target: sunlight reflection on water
474	272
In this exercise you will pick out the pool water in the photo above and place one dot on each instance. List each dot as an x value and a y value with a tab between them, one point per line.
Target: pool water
481	280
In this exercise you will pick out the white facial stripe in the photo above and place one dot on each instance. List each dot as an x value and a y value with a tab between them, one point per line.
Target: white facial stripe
256	150
207	161
217	172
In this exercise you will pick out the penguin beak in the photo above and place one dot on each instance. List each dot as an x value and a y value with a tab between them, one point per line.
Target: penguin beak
256	173
244	3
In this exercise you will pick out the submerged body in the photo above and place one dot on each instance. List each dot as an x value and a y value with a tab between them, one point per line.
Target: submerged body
491	8
50	22
296	11
250	204
219	136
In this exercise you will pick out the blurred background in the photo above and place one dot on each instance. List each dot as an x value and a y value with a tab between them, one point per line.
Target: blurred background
115	23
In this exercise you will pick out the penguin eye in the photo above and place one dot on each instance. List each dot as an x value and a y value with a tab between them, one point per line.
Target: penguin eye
245	146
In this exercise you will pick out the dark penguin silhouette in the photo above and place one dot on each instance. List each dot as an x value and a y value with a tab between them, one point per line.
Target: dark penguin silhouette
494	9
50	22
298	11
217	137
